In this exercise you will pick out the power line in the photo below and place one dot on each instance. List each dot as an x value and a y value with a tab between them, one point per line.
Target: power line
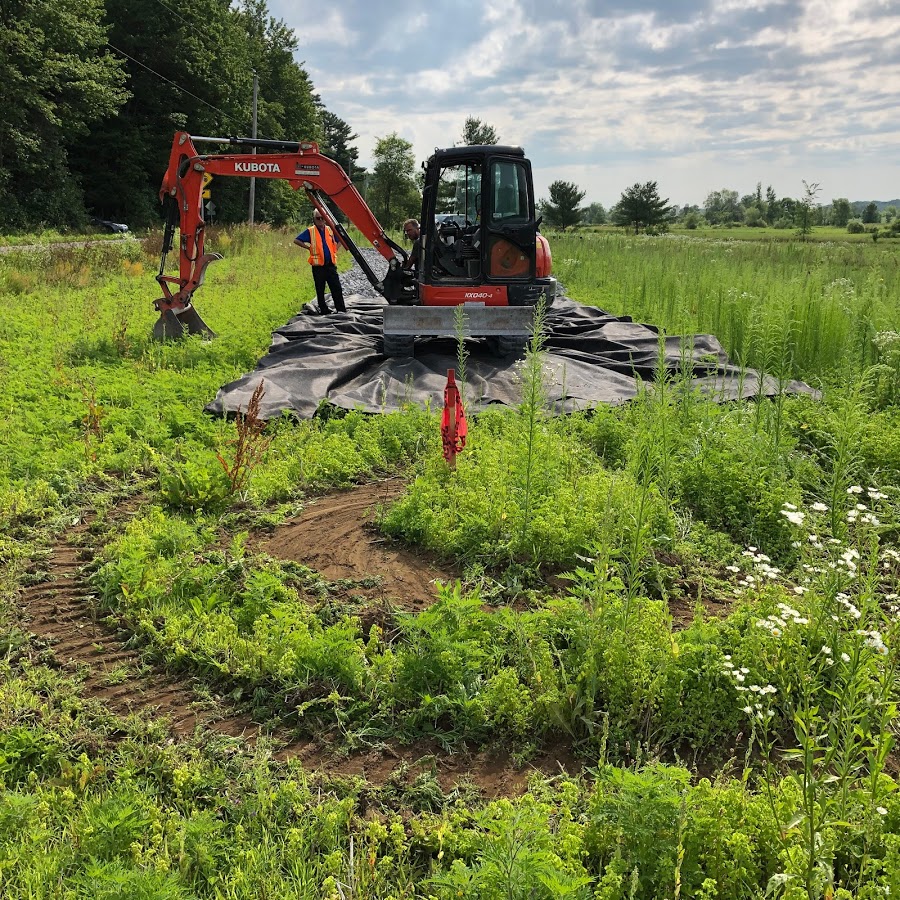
173	83
137	62
191	25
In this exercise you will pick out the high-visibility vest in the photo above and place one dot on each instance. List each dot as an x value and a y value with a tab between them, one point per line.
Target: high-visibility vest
316	250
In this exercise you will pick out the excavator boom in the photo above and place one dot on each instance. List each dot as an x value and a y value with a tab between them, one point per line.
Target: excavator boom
302	166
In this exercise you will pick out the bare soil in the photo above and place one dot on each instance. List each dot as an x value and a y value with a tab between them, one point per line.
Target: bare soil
337	535
61	609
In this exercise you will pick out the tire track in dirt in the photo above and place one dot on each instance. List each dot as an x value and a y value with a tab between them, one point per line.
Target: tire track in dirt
336	535
61	610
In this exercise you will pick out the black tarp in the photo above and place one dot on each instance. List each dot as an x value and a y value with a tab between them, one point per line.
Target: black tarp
591	357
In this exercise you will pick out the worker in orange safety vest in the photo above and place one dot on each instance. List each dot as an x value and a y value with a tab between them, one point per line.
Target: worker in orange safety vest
323	250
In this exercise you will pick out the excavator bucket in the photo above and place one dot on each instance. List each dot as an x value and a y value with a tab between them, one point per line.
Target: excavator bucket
170	326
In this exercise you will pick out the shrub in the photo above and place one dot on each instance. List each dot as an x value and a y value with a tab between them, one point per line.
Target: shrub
199	483
855	226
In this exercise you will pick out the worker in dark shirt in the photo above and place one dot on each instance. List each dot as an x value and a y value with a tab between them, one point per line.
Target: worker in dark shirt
323	250
413	233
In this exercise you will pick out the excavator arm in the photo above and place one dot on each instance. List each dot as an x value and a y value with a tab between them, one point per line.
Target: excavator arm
302	166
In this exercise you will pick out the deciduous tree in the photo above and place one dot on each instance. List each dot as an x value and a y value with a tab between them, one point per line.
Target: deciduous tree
192	68
772	210
595	214
840	212
805	208
57	77
640	206
722	207
392	190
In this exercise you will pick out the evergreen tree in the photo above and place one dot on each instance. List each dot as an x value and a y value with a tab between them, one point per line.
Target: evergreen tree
337	142
562	209
477	132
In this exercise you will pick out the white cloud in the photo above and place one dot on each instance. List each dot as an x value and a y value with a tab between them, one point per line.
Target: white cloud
326	27
763	89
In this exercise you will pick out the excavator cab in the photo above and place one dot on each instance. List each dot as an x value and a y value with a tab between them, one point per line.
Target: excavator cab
480	229
480	249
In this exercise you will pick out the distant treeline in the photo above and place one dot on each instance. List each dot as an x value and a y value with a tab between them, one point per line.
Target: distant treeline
93	90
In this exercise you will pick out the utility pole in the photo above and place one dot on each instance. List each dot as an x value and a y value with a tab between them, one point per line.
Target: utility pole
253	135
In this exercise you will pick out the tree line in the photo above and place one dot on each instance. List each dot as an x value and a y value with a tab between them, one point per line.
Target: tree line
641	208
93	90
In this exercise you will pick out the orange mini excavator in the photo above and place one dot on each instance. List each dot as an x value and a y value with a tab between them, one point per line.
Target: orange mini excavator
480	245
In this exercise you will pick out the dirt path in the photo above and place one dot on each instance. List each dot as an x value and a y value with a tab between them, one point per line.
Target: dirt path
336	535
61	609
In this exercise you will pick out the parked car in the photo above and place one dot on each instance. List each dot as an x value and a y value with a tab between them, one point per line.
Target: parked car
112	227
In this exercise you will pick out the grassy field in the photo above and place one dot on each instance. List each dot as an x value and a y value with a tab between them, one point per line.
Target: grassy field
695	605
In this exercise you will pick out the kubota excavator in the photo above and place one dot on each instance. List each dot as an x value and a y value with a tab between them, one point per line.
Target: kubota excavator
480	244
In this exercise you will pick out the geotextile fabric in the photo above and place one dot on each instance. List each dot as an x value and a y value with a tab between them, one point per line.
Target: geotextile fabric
591	357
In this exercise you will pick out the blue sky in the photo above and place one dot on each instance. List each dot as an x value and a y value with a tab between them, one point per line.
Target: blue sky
696	96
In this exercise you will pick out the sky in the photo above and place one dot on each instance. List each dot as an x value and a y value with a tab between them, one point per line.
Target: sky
697	96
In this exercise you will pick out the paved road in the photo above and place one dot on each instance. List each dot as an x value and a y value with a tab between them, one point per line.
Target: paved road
83	243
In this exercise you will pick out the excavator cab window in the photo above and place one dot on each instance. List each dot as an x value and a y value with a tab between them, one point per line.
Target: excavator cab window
509	185
457	243
511	231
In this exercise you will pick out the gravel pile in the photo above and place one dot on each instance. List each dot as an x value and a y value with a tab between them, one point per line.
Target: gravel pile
354	281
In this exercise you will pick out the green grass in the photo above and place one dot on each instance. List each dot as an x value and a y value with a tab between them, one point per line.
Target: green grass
801	309
577	536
